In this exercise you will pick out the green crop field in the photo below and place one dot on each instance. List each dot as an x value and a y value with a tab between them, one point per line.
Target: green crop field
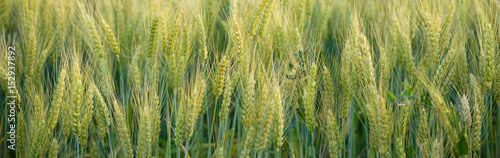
249	78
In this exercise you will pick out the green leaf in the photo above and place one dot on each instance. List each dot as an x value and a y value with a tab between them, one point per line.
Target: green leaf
462	146
406	92
391	96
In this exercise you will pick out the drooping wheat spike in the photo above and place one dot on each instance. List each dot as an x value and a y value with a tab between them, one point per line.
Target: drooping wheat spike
440	78
202	39
54	148
487	58
219	77
279	118
36	145
310	97
57	101
257	19
477	114
102	115
112	39
423	134
333	134
345	75
144	140
88	107
247	110
152	36
228	89
94	36
76	94
442	111
432	30
98	51
123	132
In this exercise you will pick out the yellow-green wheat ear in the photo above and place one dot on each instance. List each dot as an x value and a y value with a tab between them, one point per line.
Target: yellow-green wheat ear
152	36
57	100
310	97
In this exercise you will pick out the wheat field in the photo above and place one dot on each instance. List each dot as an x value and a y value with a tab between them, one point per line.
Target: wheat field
250	78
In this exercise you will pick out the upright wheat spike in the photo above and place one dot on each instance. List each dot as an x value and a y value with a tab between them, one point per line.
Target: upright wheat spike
310	97
145	137
333	134
54	148
202	39
247	109
423	134
76	94
228	88
279	118
432	30
446	27
477	114
466	111
156	114
197	103
36	145
496	86
345	81
219	78
32	47
123	132
87	116
152	36
487	58
264	114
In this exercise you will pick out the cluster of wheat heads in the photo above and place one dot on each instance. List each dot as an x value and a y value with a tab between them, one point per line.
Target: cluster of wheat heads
245	78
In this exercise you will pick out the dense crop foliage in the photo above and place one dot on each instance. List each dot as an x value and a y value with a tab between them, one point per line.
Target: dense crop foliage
245	78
